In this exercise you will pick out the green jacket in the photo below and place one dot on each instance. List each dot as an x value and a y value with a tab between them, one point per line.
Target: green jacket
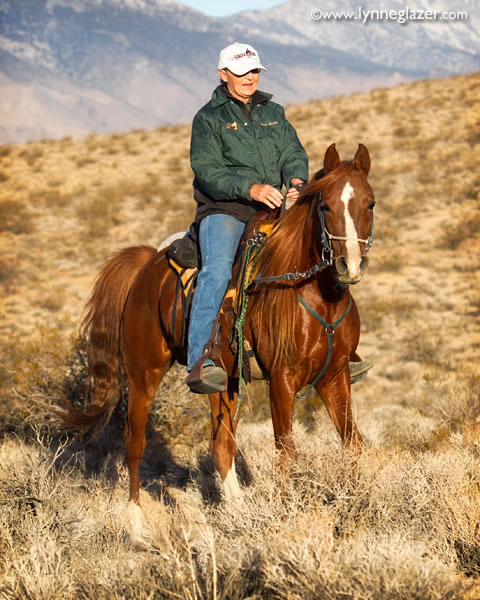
231	150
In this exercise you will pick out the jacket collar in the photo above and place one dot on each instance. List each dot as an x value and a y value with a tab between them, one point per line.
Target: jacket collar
221	95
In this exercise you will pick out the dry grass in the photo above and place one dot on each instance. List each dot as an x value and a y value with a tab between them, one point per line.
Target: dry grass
403	523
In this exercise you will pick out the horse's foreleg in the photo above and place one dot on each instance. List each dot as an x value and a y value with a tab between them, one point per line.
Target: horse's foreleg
336	396
141	391
223	444
281	404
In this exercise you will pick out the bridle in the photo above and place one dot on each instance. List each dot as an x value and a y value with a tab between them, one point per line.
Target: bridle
326	236
327	254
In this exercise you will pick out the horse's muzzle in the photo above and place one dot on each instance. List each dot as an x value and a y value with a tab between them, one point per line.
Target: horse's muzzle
343	272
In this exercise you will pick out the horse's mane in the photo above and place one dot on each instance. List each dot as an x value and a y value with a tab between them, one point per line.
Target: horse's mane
289	248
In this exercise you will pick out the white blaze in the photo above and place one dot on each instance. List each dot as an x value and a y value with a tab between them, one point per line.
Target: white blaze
353	257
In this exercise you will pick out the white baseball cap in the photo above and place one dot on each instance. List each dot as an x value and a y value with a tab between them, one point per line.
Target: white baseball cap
239	59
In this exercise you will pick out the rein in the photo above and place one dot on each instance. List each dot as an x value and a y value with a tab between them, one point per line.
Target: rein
292	276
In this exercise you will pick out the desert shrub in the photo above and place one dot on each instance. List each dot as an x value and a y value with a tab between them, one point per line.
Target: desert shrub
37	370
474	138
378	309
97	217
15	217
31	153
8	271
49	197
175	165
131	148
55	299
453	401
83	161
424	346
454	235
389	263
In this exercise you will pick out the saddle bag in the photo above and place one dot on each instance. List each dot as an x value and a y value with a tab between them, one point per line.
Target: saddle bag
184	251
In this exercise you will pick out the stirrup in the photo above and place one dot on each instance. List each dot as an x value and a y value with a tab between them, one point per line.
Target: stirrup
213	380
359	370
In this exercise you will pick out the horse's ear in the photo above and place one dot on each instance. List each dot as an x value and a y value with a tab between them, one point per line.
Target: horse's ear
362	159
331	159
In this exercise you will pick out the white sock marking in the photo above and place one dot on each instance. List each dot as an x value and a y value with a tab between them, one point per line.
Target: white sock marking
231	485
353	247
136	525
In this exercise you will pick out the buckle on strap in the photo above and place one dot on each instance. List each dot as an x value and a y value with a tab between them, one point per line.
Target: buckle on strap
257	239
327	255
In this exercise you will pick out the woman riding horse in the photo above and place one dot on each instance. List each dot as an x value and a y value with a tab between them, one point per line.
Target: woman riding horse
302	331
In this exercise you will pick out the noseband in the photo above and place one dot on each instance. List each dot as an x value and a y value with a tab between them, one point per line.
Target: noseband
326	236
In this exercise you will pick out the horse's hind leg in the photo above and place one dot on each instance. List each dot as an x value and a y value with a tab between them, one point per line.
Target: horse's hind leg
142	386
336	396
223	444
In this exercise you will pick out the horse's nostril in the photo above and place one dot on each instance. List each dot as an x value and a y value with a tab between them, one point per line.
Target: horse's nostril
363	264
341	265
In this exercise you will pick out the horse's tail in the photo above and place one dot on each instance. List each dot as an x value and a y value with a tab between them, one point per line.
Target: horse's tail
101	328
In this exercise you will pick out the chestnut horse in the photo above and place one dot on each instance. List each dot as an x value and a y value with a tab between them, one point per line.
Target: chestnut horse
290	323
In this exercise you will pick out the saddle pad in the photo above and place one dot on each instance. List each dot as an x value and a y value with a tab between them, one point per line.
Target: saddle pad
186	275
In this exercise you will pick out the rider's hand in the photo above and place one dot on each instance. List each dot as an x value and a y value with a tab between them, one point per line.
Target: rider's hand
293	193
267	194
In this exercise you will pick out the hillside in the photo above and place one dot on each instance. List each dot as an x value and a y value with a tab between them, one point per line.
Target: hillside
411	513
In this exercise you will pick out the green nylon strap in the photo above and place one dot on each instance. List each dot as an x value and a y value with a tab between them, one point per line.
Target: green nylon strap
329	330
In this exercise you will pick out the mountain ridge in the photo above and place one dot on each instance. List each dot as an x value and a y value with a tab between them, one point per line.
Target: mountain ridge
73	68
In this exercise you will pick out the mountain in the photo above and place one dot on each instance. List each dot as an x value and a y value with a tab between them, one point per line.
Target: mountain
438	47
71	67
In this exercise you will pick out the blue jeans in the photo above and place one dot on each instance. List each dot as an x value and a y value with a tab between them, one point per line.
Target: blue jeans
219	236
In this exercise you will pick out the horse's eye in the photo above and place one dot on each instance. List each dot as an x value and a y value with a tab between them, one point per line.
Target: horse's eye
371	206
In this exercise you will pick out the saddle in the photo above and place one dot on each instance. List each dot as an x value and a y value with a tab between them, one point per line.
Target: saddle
182	261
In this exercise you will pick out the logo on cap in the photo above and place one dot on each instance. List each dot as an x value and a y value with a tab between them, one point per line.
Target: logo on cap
247	52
